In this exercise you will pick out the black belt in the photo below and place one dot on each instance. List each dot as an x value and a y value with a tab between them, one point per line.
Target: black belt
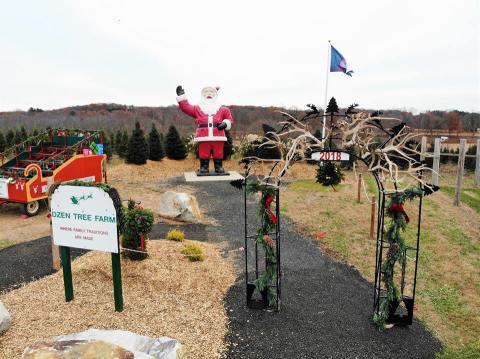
203	125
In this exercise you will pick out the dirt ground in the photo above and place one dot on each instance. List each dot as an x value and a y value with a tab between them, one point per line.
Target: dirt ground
140	183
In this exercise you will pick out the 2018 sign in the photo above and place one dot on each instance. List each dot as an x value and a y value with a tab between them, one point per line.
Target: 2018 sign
331	156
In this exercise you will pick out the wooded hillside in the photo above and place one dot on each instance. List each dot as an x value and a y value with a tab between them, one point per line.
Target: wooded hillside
248	119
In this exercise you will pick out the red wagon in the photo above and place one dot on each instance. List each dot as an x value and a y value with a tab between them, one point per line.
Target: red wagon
58	155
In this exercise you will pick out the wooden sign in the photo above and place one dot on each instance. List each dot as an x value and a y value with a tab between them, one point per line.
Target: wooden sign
331	156
85	217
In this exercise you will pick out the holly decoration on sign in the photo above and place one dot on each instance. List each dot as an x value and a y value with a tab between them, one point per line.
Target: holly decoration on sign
267	281
396	252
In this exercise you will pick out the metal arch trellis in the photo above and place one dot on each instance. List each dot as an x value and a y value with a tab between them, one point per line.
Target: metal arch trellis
353	129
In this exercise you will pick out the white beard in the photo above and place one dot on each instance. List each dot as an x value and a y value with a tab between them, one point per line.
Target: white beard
209	106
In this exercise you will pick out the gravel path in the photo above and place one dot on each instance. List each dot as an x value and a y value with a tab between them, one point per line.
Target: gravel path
26	262
326	306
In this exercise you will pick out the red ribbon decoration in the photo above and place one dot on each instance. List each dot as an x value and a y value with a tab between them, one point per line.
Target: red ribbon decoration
268	202
398	208
142	242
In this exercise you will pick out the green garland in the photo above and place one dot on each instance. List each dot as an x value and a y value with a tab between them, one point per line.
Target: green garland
396	252
268	279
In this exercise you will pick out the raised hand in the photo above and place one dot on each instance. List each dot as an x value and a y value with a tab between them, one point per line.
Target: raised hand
180	91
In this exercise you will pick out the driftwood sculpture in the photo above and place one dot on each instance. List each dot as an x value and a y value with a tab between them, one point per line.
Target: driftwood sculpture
381	143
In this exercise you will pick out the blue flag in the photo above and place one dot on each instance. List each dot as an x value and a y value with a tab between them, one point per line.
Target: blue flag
338	63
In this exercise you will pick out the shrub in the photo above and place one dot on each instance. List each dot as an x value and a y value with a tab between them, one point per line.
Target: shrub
176	235
193	252
244	148
137	226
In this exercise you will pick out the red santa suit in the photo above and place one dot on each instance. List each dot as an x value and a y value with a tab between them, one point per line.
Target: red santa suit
208	114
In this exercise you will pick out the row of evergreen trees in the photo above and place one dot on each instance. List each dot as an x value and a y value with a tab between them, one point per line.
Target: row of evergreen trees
134	148
12	137
137	147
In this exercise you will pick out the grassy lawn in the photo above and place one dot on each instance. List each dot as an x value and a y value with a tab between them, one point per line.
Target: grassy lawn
4	243
448	286
470	196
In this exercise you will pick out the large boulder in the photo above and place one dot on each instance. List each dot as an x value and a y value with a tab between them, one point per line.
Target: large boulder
180	206
5	318
106	344
76	349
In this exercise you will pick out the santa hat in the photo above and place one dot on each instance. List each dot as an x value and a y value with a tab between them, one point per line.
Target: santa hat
210	89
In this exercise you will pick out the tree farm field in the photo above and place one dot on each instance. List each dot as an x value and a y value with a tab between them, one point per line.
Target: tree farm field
448	285
141	183
448	290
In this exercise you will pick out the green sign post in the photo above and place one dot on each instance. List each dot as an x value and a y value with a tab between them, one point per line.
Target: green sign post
85	217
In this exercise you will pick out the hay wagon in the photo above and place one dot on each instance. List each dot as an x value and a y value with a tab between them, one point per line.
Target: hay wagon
57	155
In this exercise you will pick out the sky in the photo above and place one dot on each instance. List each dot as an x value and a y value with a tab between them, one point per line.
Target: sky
410	55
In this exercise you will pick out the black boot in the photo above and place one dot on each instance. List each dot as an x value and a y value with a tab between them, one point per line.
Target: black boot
218	166
204	166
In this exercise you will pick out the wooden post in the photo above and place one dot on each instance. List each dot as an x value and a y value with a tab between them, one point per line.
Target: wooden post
359	187
423	148
460	169
117	282
372	219
477	165
436	162
67	273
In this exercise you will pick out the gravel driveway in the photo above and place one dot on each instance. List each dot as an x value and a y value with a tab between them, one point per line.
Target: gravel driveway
326	306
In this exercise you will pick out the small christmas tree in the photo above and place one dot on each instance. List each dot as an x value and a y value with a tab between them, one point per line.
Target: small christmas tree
228	149
155	145
107	147
3	144
118	142
10	138
137	146
123	145
112	142
23	134
18	137
328	174
174	146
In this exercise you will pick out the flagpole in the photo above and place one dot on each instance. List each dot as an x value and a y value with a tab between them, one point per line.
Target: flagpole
326	91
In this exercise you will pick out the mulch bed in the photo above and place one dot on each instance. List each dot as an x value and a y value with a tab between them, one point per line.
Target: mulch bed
164	295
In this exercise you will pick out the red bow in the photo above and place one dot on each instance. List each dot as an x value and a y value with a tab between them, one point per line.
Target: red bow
398	208
268	202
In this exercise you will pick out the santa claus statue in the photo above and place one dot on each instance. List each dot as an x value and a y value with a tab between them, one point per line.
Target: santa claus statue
212	120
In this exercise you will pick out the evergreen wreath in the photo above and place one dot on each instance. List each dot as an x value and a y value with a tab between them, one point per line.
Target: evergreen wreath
268	279
396	251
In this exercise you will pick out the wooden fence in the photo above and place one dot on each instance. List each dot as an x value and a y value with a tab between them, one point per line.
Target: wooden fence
460	166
